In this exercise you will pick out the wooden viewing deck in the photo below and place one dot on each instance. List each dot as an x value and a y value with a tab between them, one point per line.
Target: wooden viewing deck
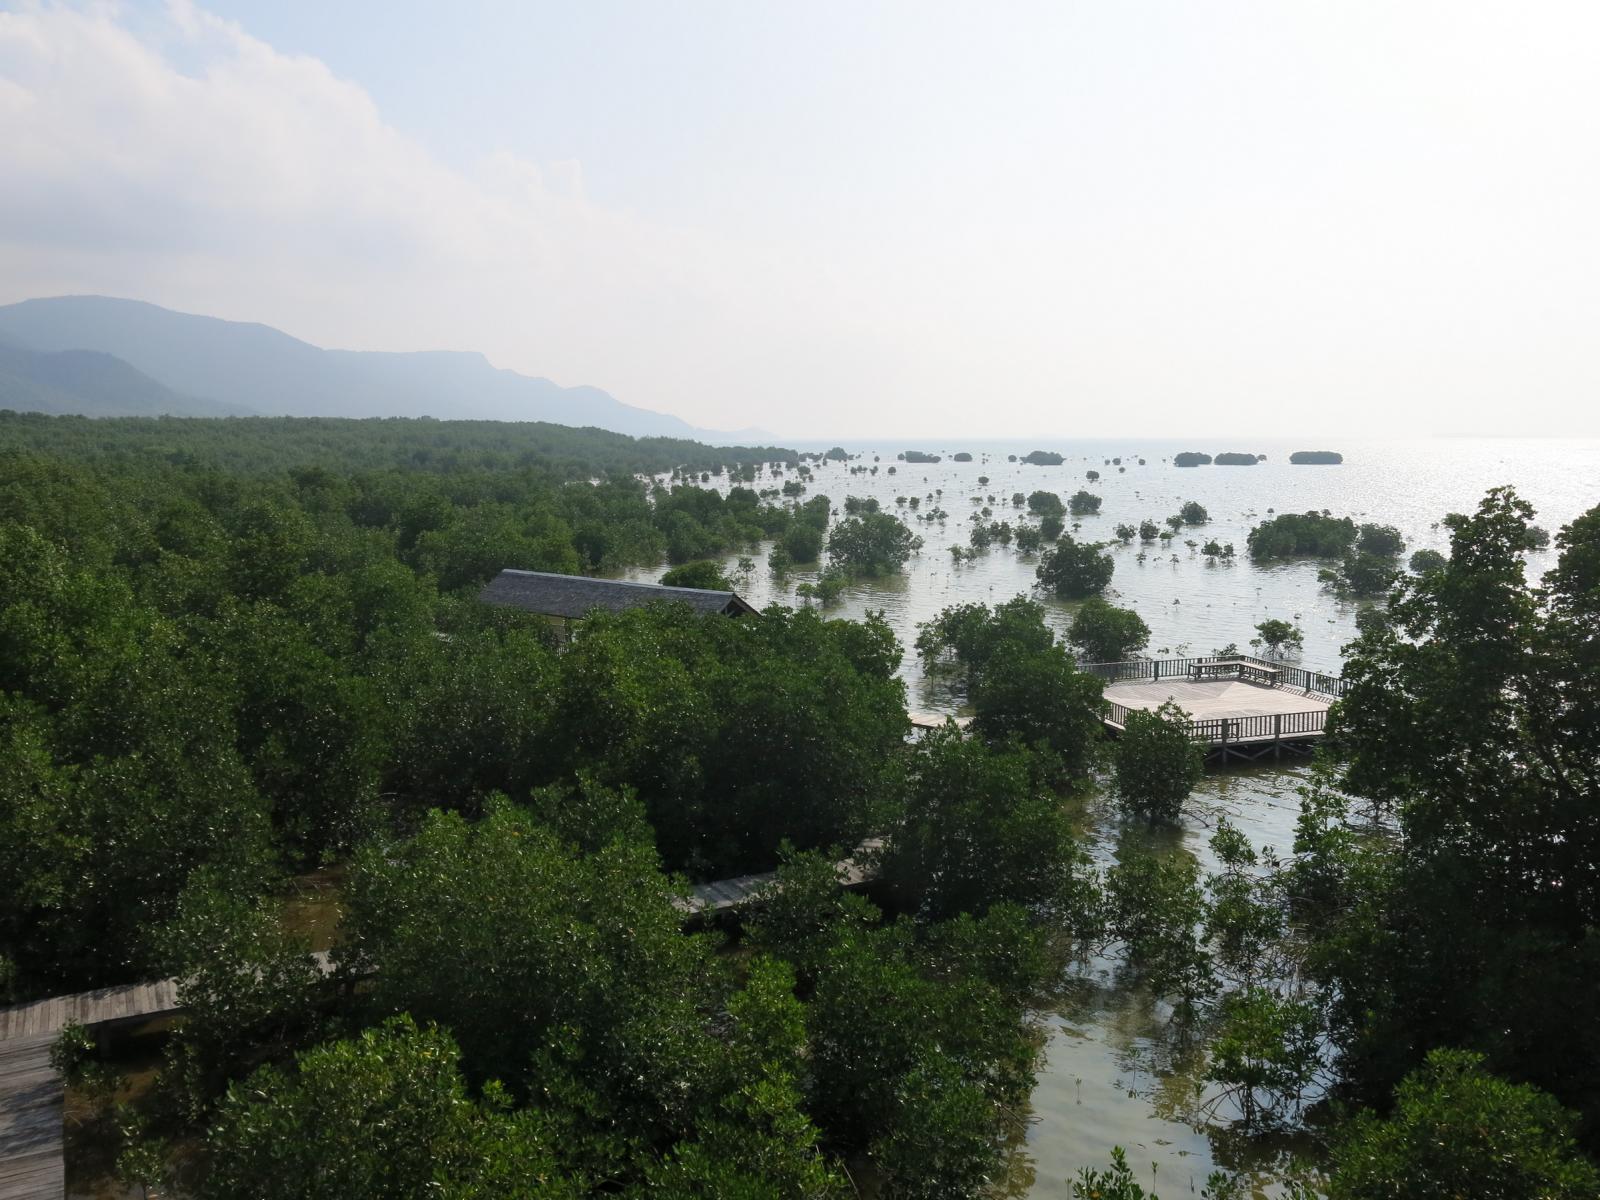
1240	707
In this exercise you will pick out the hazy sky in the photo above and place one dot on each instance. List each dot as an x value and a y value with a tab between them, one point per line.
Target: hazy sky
856	218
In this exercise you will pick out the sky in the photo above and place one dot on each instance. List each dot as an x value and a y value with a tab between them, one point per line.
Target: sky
854	219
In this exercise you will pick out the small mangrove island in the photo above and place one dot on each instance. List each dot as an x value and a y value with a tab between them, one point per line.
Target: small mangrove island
1330	457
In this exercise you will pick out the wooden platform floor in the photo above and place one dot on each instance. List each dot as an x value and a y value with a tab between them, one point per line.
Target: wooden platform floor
927	721
31	1166
1214	699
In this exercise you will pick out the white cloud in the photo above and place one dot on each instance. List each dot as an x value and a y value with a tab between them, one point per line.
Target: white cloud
1209	223
259	186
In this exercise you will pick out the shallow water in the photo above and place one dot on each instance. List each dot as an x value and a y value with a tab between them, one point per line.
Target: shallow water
1192	606
1115	1071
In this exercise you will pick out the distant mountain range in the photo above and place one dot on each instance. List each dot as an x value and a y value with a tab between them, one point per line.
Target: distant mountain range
100	356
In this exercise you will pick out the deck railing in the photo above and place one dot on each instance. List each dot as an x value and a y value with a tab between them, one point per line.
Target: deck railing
1314	682
1226	731
1230	731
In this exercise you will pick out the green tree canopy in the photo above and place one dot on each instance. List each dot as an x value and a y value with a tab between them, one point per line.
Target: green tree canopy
1103	632
1457	1130
1474	714
978	829
1075	570
872	543
1083	503
384	1114
1155	761
1310	535
1279	636
704	574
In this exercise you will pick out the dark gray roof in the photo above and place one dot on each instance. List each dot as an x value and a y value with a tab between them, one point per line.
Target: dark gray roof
576	595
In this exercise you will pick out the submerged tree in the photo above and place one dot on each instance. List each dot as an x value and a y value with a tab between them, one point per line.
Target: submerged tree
1103	632
1075	570
1083	503
872	543
704	574
1156	762
1279	636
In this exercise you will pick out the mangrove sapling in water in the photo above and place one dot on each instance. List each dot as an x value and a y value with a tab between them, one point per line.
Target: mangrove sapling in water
1278	636
1155	907
1083	503
1155	762
1102	632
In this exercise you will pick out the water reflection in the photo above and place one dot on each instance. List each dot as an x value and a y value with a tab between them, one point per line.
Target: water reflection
1118	1069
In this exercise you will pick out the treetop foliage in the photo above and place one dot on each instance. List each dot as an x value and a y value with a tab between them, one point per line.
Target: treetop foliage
871	543
1457	1130
1156	763
1075	570
1474	717
1311	534
1102	632
256	445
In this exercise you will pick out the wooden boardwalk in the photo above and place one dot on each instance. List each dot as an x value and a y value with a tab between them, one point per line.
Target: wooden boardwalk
926	721
724	895
31	1166
31	1093
46	1018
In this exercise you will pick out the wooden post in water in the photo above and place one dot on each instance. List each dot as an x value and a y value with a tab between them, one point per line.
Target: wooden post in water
1277	736
1224	739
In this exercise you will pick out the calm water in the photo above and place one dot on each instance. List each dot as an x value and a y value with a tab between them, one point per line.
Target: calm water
1114	1072
1117	1071
1191	606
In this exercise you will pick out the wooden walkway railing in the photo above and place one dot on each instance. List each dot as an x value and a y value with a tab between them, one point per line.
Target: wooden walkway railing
1223	731
1313	683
